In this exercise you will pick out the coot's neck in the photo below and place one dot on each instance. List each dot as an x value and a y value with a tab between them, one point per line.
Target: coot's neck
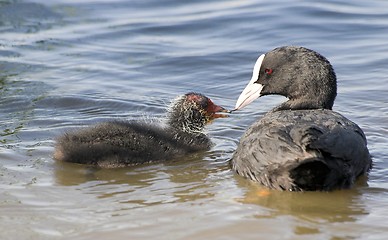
317	94
303	104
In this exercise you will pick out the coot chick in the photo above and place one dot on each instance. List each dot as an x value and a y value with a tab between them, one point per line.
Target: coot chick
301	144
120	143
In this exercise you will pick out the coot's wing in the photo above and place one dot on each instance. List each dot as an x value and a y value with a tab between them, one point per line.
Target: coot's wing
345	142
269	149
310	149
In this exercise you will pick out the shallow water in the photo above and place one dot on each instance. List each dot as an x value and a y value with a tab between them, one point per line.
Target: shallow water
66	64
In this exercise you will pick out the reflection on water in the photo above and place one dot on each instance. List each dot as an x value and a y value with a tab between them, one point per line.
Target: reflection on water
337	206
66	64
150	184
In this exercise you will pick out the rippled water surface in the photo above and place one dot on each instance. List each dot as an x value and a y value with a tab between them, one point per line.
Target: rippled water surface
66	64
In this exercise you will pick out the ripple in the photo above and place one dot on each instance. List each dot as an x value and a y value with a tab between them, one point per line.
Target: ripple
66	64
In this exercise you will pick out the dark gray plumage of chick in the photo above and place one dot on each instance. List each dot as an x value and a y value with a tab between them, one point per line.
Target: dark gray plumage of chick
126	143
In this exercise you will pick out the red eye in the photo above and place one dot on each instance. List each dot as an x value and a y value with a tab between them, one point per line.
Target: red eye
268	71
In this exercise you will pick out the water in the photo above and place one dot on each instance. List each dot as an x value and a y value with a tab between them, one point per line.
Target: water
67	64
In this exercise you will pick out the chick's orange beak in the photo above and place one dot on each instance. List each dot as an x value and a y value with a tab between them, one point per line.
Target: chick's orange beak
214	109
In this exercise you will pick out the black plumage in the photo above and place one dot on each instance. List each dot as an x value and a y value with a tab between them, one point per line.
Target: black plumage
126	143
301	144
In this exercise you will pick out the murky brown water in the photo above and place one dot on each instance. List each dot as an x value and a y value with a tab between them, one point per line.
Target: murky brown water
66	64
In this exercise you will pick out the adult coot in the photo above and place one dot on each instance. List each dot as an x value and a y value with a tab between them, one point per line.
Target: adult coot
119	143
301	144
